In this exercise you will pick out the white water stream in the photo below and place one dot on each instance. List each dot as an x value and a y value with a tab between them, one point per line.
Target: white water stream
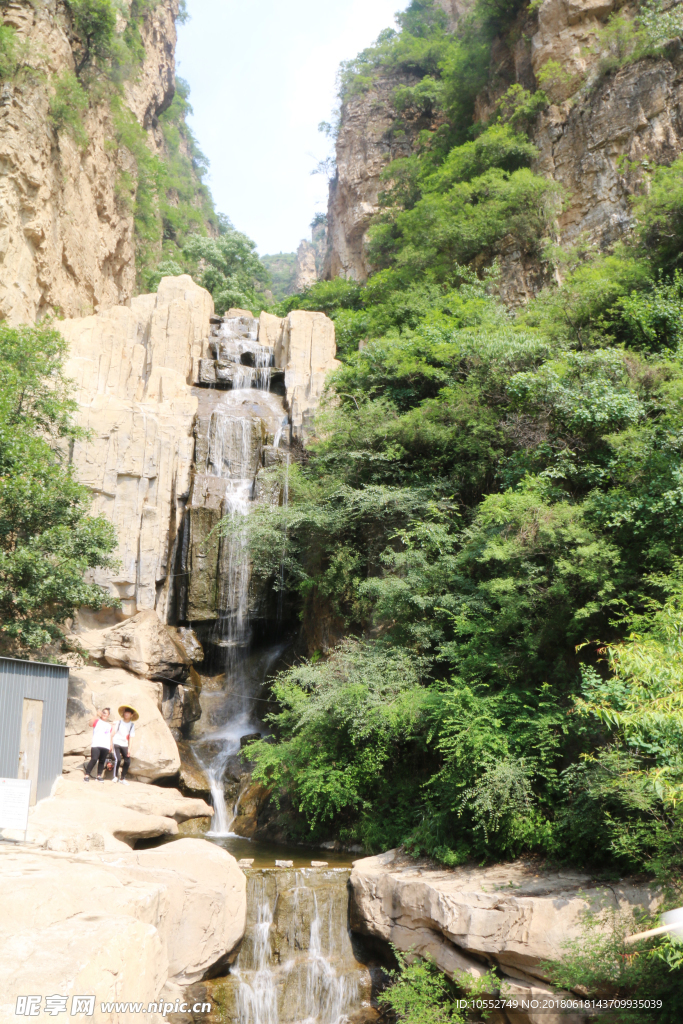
297	963
235	438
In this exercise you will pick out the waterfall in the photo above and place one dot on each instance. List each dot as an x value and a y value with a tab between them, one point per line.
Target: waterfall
257	998
296	964
237	347
285	505
234	454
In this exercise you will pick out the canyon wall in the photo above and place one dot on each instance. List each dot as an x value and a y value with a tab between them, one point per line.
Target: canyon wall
67	240
592	142
369	138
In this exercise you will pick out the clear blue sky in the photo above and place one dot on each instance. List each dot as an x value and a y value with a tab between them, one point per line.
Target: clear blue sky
262	75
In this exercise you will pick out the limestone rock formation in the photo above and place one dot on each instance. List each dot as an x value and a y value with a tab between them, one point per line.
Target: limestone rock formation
635	114
66	240
122	926
565	30
514	915
366	143
311	256
304	346
154	754
82	816
155	437
142	645
306	271
133	368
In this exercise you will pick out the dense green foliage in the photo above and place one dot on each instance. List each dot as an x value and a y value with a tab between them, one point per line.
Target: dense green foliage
231	269
421	994
47	538
491	514
282	270
68	104
602	965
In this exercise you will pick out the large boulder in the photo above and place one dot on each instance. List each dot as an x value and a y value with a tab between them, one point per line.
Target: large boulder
125	926
141	644
516	916
154	754
82	816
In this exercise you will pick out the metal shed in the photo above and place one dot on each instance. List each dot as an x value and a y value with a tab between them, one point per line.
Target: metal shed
32	720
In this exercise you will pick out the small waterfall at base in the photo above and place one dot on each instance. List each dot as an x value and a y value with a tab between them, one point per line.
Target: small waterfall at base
296	964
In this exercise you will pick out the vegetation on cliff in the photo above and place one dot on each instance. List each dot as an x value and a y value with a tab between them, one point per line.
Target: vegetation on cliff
48	539
491	513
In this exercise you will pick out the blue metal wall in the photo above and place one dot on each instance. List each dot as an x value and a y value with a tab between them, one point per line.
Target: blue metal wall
49	683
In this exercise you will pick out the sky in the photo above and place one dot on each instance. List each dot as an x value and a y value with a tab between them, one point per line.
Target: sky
262	75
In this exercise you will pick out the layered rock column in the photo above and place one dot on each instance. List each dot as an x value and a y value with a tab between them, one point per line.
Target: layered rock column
305	347
133	368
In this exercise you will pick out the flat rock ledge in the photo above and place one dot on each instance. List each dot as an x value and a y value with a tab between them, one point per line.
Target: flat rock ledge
514	916
91	817
126	926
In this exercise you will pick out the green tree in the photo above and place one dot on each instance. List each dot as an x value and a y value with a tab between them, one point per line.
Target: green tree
48	541
94	23
228	267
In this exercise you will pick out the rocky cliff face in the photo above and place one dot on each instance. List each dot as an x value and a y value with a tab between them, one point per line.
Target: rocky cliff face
133	368
148	384
66	239
591	143
369	138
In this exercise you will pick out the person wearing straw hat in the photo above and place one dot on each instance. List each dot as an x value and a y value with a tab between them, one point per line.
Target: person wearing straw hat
124	730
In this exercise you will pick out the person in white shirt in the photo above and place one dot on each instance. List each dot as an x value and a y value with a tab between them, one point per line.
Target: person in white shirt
124	730
101	745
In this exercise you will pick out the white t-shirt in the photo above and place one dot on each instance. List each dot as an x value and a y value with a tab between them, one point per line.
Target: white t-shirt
123	732
101	733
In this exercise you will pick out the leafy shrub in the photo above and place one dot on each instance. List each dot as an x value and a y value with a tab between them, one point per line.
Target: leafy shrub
231	269
626	39
167	268
422	994
94	23
556	80
48	540
68	104
601	965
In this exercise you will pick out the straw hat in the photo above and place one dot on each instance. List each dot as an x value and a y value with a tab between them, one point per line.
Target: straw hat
129	707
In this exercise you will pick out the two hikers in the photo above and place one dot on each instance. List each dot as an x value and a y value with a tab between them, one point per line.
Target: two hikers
109	738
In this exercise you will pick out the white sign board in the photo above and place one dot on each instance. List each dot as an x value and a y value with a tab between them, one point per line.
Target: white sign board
14	800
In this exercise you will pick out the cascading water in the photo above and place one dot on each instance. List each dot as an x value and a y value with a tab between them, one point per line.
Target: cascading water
235	439
296	964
